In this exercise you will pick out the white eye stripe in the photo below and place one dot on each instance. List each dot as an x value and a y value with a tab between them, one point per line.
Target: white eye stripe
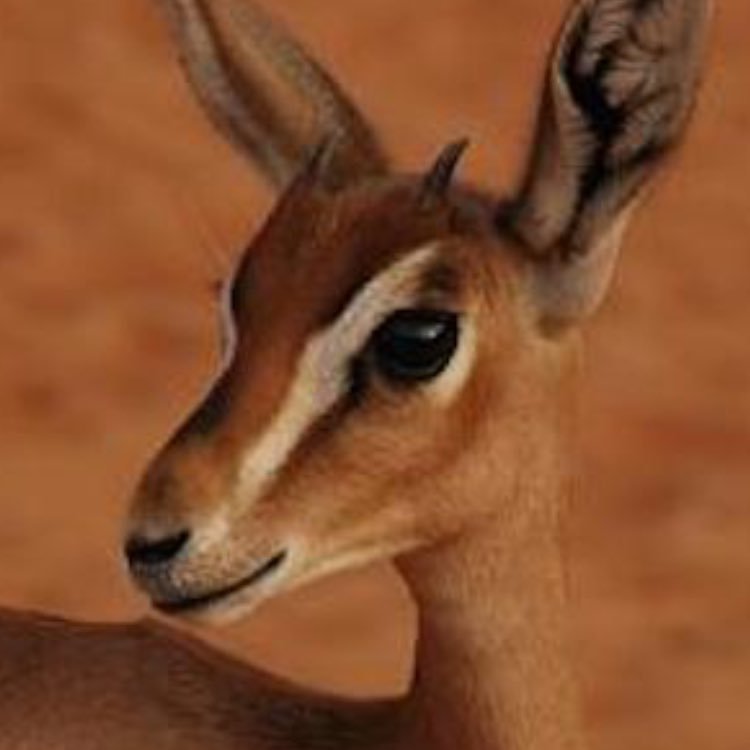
322	373
391	289
450	382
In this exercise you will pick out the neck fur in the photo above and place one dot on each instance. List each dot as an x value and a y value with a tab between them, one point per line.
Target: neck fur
491	669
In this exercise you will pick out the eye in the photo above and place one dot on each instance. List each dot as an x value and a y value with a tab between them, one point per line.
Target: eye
413	346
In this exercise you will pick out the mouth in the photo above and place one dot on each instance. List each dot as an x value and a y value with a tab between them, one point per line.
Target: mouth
205	601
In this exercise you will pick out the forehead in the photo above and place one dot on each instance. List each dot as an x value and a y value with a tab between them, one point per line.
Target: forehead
332	265
318	249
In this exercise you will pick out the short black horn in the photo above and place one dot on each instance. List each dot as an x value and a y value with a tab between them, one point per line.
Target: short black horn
439	178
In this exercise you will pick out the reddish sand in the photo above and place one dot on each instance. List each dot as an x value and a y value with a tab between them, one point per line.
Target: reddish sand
119	208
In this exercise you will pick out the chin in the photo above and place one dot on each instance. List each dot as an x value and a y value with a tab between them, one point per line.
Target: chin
233	601
224	610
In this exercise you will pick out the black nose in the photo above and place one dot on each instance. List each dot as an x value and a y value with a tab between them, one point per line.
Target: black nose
143	552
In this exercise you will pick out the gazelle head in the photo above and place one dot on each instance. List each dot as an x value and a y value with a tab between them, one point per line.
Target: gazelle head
394	343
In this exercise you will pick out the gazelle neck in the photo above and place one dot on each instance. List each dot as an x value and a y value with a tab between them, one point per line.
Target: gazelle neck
491	669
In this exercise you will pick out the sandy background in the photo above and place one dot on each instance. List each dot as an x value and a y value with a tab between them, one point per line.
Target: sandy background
119	209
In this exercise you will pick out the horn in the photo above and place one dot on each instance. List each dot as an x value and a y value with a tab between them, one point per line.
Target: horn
440	175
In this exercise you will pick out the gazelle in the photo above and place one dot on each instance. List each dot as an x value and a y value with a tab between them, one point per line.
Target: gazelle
397	364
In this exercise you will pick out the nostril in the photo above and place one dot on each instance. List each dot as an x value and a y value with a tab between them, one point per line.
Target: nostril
141	551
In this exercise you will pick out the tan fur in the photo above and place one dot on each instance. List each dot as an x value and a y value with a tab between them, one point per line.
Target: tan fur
320	377
305	458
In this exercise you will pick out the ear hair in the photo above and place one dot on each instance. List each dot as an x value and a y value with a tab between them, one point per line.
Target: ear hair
621	85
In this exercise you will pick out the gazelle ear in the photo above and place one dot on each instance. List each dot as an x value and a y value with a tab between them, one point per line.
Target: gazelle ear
266	94
620	88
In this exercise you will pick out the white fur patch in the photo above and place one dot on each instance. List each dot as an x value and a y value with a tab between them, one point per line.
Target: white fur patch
452	381
323	370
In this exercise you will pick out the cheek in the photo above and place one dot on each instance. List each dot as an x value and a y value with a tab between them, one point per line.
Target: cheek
340	494
379	469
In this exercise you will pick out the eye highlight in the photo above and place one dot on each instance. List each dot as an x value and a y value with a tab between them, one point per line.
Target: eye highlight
416	345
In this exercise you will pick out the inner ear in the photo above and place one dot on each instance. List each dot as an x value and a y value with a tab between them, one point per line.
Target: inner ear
620	86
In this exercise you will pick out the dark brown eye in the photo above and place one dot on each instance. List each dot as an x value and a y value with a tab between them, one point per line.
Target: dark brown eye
413	346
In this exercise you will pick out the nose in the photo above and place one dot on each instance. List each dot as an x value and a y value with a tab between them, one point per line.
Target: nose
145	552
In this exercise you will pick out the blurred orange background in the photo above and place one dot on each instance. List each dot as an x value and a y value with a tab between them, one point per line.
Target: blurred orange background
120	209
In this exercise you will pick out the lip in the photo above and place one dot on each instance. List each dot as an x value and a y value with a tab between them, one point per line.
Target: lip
195	603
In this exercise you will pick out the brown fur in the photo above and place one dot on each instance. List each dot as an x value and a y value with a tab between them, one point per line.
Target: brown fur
464	489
